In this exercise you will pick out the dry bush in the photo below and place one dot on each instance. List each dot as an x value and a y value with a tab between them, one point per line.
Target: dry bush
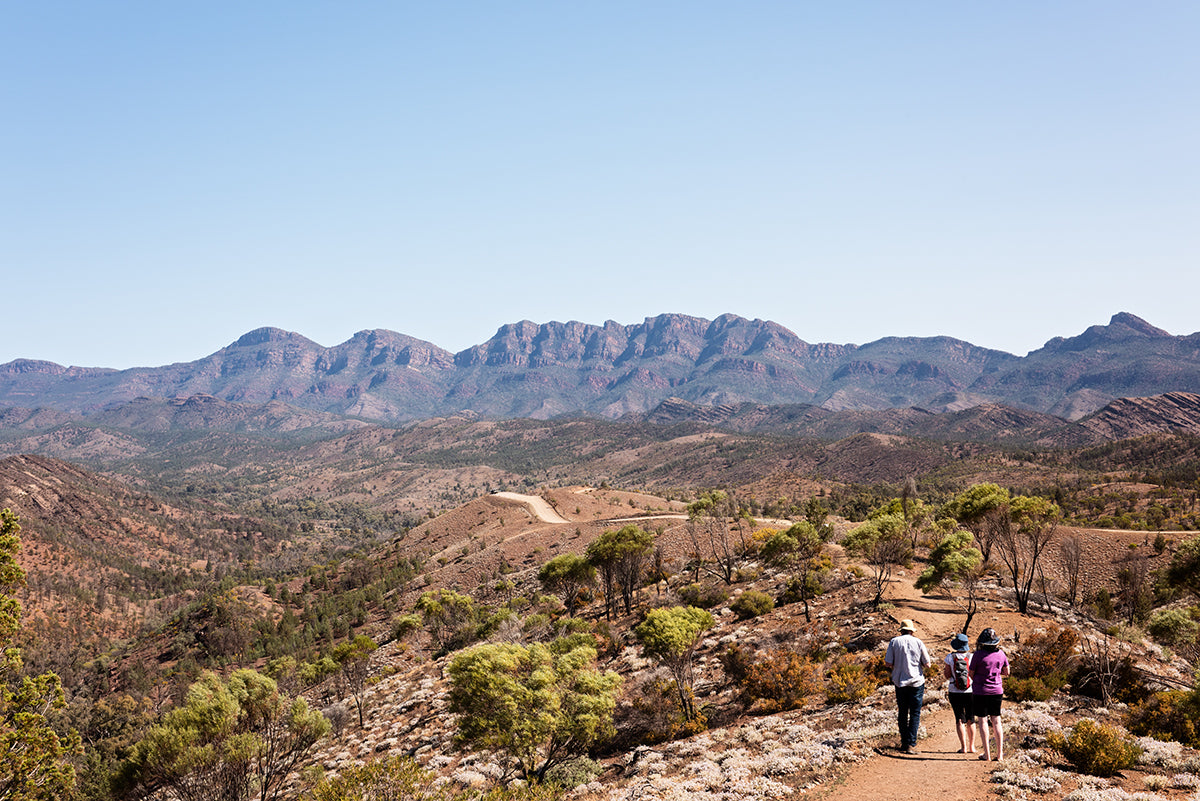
652	714
1106	671
1173	715
1042	665
781	680
849	681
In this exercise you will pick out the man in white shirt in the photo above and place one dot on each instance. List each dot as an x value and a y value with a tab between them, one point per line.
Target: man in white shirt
907	657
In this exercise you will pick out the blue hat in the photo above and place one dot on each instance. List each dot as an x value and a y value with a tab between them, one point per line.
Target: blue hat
959	642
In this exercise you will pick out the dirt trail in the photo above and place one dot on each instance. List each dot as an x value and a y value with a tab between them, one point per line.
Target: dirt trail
937	770
541	510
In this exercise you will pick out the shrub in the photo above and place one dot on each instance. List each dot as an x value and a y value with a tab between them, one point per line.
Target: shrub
554	705
752	603
1030	689
703	595
404	626
781	680
1172	715
1042	666
800	588
1103	605
401	777
848	682
1108	675
569	775
737	662
1095	748
1173	627
654	714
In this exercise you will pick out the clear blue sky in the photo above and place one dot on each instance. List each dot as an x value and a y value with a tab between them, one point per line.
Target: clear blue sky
174	174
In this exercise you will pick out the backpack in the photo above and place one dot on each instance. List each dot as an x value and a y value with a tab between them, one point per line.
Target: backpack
958	667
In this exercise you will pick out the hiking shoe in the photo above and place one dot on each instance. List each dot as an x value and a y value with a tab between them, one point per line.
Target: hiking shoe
908	749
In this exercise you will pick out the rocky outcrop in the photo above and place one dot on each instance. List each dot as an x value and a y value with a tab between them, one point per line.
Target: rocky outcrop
1125	418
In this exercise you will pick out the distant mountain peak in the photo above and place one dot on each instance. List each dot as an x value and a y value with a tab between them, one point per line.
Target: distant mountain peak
1123	327
1135	324
266	334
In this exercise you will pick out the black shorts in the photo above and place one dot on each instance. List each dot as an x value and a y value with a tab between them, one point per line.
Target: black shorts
987	706
963	705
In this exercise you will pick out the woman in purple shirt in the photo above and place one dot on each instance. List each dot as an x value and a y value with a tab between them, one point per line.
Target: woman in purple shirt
988	668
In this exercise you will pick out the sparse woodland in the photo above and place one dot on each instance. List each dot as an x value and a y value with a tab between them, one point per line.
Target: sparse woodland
299	637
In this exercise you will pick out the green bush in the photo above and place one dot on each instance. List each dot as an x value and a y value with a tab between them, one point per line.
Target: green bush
1095	748
1173	627
404	626
1102	604
752	603
1031	689
570	775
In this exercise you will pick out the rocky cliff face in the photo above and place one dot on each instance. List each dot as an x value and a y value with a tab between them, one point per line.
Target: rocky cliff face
543	370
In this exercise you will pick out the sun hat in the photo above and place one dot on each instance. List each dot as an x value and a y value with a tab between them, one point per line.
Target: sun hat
959	642
989	637
907	625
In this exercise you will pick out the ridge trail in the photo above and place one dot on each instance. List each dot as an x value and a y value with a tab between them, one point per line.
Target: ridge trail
937	770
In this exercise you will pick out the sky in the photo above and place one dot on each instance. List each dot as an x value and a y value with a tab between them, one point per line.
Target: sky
174	175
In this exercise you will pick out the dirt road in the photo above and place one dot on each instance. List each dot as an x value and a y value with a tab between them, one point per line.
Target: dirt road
541	510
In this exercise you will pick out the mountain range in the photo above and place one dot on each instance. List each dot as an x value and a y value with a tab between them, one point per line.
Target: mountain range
548	370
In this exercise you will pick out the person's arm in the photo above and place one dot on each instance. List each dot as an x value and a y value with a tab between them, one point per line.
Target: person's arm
1004	667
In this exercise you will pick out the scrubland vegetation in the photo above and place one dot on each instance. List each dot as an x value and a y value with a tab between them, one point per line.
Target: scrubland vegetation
611	669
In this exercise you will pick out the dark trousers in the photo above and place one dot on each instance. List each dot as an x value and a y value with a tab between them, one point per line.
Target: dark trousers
908	713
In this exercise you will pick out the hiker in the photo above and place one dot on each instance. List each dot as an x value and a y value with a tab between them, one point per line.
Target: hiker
907	657
989	666
957	670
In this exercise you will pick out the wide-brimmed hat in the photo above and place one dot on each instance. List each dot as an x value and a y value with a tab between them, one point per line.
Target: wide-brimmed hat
960	642
989	637
907	625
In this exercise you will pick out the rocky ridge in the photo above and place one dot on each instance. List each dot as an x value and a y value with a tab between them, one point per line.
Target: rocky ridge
610	370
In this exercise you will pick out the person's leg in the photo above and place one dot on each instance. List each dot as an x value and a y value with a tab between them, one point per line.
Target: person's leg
957	709
914	718
983	733
999	727
903	711
964	721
